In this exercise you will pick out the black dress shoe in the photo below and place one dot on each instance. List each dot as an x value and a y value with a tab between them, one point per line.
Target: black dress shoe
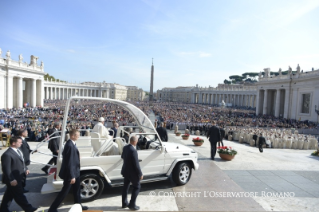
134	208
45	170
25	190
34	209
85	208
124	205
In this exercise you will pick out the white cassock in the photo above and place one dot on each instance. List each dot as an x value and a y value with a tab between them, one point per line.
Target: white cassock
104	134
99	128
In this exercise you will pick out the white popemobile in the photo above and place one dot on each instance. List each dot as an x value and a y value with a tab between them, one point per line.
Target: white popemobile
101	165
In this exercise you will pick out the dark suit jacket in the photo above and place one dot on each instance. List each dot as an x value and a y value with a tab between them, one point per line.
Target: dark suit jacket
25	149
162	133
222	133
213	134
54	143
12	167
70	167
262	141
115	132
131	168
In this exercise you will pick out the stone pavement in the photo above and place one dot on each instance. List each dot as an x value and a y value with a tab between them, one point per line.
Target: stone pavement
275	170
291	172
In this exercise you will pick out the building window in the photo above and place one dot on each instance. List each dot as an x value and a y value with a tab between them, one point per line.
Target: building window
305	103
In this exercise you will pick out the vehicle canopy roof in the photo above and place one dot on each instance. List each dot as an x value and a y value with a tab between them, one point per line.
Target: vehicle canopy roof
140	118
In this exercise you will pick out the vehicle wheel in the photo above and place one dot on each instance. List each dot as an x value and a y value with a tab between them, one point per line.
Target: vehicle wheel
182	173
91	187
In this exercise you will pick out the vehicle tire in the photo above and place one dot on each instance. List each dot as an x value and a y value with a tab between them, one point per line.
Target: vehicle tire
91	187
182	173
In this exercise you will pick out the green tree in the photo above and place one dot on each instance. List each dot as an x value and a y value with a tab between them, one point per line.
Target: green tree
227	82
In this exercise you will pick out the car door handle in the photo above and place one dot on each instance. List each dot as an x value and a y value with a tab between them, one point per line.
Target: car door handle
139	160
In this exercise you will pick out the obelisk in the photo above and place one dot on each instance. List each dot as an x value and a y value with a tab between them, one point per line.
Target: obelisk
152	80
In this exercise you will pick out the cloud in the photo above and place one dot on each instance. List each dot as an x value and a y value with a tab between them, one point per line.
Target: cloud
198	54
203	54
70	50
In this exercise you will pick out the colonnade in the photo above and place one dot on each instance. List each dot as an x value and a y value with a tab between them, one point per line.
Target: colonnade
273	102
20	90
52	92
248	100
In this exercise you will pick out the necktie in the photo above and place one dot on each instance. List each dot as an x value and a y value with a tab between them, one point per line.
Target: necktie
21	156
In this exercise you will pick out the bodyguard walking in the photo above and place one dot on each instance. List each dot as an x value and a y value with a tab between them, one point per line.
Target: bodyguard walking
53	146
70	172
14	175
25	149
214	136
132	173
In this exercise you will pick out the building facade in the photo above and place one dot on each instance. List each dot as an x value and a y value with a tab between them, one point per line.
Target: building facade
292	96
240	95
21	83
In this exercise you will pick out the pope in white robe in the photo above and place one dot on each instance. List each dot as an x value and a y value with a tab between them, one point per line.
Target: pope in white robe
101	129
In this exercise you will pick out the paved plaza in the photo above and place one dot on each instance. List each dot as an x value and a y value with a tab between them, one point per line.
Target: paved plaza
251	182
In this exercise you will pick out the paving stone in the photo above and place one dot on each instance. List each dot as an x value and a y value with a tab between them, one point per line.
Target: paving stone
310	175
249	179
237	173
261	173
314	193
308	186
269	179
296	179
284	173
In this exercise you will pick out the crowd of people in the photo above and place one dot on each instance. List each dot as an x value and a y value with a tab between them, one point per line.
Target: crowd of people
199	116
84	114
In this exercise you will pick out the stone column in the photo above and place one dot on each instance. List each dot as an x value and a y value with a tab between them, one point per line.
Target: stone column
33	93
19	92
277	104
265	102
40	92
242	100
287	93
9	91
257	102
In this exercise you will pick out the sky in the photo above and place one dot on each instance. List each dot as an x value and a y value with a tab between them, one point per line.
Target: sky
192	42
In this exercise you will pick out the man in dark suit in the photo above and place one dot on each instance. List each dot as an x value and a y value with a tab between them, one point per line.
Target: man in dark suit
25	149
132	173
53	146
262	141
115	127
214	136
222	136
69	172
162	132
14	174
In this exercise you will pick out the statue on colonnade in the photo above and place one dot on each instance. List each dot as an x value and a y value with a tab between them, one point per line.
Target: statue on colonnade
8	55
298	69
289	70
20	58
